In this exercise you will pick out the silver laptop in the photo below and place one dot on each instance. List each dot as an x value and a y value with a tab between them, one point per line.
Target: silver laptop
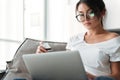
62	65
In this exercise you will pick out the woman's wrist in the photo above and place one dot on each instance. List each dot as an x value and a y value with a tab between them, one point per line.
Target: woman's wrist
90	76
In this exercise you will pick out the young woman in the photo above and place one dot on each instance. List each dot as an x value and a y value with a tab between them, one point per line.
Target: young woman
99	49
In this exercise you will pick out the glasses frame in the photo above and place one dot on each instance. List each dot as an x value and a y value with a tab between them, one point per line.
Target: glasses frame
86	16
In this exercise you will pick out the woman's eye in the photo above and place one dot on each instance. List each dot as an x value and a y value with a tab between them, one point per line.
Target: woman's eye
81	14
91	14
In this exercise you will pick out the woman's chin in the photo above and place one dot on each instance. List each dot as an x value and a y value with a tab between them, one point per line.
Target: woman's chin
88	27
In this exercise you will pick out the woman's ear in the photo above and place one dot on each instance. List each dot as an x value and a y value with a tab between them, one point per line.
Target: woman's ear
103	13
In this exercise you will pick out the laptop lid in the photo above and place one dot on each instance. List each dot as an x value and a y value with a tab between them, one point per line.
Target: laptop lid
62	65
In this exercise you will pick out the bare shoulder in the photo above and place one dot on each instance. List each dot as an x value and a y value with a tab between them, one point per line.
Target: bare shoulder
111	35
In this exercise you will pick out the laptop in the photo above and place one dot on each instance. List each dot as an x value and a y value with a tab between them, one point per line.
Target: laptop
61	65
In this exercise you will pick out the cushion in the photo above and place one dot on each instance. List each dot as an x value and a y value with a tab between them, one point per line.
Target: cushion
16	68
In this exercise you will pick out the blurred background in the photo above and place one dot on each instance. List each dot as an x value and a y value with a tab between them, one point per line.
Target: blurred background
51	20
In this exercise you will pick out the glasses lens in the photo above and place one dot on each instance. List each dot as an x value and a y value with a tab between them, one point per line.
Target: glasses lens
91	15
80	17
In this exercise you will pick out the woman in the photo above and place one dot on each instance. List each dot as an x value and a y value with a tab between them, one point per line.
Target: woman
99	49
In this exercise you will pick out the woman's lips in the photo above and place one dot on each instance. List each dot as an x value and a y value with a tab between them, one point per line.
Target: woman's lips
87	23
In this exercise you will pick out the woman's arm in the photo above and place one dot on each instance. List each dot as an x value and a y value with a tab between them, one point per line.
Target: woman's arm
115	70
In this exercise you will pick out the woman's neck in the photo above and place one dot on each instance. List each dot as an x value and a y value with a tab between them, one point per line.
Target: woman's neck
96	31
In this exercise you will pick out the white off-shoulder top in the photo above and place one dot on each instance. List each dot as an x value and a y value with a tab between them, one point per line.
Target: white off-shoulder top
96	57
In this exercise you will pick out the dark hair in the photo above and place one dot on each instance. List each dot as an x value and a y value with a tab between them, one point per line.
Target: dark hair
96	5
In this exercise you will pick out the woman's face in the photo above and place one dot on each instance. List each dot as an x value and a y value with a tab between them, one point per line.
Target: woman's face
87	17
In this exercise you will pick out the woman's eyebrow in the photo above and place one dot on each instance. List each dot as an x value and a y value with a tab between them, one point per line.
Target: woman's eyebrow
80	12
89	9
83	12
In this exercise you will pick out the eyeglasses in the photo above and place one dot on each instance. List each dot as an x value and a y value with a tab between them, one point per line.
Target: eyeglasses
81	17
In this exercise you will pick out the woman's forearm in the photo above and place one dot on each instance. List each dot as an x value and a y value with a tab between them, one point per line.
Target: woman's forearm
112	76
115	76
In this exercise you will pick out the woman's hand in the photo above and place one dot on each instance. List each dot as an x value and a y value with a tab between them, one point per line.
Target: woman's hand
90	76
40	48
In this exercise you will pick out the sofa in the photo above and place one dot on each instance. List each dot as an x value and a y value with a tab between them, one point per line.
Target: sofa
16	68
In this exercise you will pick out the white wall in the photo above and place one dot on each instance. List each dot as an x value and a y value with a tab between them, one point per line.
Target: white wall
62	23
112	18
